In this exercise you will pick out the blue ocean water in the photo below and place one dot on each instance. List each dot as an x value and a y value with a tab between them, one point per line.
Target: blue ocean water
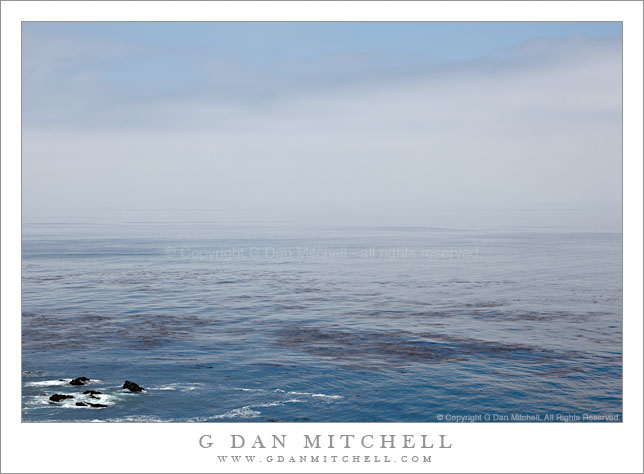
231	322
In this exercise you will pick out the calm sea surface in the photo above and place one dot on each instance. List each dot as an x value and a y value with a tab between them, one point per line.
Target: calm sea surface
264	323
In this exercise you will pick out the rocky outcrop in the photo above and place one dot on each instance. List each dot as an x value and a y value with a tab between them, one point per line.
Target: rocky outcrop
58	397
92	405
79	381
132	387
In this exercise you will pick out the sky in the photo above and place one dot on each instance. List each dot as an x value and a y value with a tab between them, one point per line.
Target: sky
382	123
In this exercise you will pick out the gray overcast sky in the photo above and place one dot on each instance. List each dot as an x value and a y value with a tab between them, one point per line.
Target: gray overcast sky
326	124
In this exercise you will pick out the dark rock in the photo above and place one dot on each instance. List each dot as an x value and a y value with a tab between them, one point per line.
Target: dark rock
97	405
57	397
132	387
91	392
79	381
81	404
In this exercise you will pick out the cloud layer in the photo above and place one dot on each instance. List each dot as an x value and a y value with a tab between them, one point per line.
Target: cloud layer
536	128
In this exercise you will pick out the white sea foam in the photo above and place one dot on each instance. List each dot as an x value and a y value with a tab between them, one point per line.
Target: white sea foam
132	418
243	412
322	395
47	383
317	395
276	403
37	401
58	382
307	394
181	387
261	390
103	399
268	404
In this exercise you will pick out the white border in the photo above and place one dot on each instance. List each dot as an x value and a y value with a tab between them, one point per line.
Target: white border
173	447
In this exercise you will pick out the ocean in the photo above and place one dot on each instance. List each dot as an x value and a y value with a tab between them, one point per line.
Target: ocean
259	323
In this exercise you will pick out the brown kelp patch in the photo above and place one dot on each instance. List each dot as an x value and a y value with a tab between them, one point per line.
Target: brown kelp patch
46	331
372	349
